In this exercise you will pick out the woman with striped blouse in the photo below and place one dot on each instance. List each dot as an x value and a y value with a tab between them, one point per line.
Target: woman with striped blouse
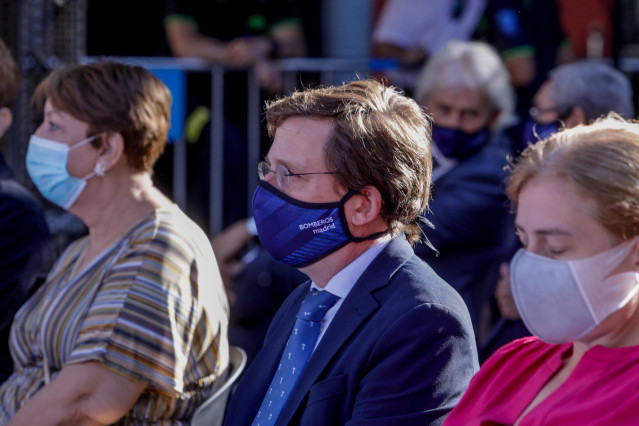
131	324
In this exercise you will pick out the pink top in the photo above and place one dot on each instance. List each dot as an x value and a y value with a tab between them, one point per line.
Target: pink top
603	388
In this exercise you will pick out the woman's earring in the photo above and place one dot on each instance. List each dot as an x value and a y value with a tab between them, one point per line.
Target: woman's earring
99	170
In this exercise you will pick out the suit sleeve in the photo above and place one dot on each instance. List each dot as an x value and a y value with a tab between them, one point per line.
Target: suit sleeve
468	210
420	368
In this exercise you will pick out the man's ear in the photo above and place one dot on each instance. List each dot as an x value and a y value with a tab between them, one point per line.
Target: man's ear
364	208
577	116
6	118
112	149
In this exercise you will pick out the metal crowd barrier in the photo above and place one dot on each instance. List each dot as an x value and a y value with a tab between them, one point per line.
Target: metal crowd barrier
328	69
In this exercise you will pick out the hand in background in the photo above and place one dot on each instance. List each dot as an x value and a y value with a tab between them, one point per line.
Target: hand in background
504	295
227	247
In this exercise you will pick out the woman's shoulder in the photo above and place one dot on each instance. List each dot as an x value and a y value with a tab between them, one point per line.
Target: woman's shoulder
522	352
169	230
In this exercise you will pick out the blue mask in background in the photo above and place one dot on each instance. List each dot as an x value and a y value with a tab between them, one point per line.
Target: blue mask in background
534	132
456	144
46	163
298	233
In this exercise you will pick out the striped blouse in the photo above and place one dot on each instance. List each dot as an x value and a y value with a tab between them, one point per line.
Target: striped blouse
151	307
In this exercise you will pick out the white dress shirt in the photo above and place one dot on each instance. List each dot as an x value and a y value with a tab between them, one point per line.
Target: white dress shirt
342	283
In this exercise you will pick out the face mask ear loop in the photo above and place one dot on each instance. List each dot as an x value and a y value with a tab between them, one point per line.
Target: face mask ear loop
99	169
629	245
85	141
342	216
583	295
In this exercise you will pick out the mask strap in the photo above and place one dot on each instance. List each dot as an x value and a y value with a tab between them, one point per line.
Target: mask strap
85	141
347	231
98	170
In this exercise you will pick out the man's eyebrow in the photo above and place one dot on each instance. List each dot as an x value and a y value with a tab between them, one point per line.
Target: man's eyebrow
283	163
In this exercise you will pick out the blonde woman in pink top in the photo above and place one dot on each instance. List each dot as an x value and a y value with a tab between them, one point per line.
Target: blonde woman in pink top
575	284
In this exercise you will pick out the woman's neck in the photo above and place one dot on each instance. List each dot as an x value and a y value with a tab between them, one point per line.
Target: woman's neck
619	329
113	205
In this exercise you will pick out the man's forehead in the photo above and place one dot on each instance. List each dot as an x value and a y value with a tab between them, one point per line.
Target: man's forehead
300	142
458	95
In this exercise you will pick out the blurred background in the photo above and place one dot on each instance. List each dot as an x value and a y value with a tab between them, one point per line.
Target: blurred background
218	133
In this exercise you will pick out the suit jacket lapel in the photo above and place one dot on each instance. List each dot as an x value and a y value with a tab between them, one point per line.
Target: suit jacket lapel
356	308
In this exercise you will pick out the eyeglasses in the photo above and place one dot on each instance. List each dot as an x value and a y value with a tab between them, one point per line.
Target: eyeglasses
536	112
282	174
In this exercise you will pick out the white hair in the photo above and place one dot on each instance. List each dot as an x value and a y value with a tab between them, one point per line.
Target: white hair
474	65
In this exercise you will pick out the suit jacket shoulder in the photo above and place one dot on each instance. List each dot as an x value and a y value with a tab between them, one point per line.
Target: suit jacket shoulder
400	350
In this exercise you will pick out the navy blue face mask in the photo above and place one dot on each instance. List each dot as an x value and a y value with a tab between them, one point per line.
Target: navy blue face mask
453	143
534	132
298	233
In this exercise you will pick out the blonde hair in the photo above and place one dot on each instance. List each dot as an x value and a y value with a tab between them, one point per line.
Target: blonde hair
601	160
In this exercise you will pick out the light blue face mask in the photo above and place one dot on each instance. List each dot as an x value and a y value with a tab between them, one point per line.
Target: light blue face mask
47	166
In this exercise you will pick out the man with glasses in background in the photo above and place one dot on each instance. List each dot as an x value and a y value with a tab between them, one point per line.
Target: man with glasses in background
375	335
577	93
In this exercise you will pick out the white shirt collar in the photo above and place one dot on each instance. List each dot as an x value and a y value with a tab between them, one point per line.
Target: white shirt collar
342	283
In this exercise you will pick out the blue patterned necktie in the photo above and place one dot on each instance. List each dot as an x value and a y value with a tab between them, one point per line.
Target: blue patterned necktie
296	354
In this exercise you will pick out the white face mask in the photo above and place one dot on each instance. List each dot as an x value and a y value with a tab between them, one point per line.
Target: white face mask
563	300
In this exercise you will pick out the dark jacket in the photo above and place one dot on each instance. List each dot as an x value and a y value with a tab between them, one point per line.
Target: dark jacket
25	254
472	222
400	350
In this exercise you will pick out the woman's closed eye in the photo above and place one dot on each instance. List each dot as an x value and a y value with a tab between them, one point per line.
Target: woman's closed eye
51	126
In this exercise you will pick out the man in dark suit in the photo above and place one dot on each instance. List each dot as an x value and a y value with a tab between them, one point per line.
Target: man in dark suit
466	88
342	189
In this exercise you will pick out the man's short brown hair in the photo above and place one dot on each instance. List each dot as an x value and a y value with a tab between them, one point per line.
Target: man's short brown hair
380	138
109	96
9	77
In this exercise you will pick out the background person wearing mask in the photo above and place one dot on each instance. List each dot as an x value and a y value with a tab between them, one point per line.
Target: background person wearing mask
577	93
576	283
466	88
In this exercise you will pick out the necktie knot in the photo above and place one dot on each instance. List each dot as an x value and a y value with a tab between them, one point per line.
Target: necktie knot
316	304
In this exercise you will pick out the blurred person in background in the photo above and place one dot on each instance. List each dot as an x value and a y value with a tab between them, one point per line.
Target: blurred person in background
26	250
576	285
131	323
241	36
411	31
529	50
577	93
467	90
